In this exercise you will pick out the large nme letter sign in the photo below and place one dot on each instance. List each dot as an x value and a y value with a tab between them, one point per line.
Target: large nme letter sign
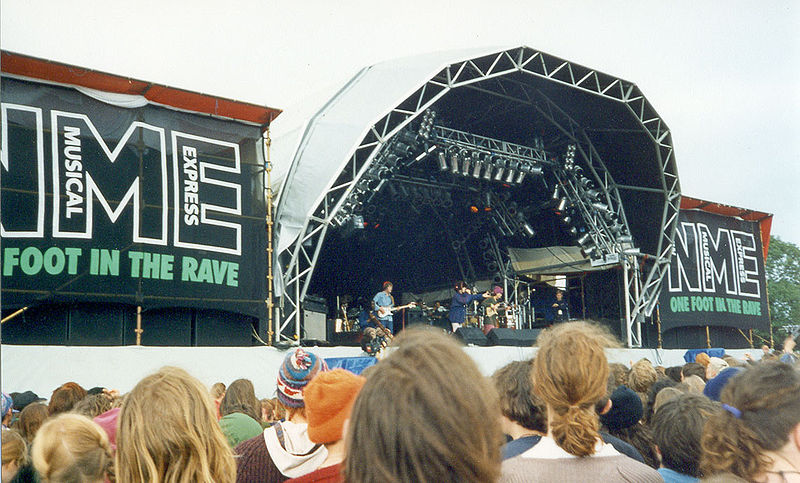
717	275
140	205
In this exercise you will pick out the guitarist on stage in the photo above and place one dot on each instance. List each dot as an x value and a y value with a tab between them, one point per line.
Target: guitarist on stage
383	303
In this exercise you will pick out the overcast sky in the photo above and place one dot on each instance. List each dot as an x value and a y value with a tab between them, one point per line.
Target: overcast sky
724	75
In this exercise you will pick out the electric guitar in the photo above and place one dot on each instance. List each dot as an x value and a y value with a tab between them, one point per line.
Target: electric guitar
377	322
384	311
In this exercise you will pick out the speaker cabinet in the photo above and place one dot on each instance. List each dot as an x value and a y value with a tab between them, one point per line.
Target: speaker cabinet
471	335
511	337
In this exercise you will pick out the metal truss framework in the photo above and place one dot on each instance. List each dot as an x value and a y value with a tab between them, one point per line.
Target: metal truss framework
487	74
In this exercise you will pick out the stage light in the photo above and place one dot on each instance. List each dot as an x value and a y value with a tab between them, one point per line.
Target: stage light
520	177
599	206
562	204
584	239
476	172
465	159
442	161
589	250
625	239
585	182
573	231
557	193
528	229
500	166
510	175
536	170
592	194
487	175
454	162
567	219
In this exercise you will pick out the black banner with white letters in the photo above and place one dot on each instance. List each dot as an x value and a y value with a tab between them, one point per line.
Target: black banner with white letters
717	275
141	205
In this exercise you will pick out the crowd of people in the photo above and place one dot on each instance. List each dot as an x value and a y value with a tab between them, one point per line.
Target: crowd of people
425	413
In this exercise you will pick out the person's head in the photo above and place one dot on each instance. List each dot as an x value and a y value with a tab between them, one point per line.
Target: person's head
65	398
329	400
674	373
761	414
425	414
715	365
217	391
570	374
460	286
677	428
642	376
387	287
241	398
626	410
695	383
789	344
518	404
92	406
694	369
559	295
31	419
298	368
715	386
72	448
619	372
657	386
168	432
6	405
765	349
702	358
664	395
14	454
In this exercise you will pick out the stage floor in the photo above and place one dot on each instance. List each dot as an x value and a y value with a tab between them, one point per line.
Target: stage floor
43	368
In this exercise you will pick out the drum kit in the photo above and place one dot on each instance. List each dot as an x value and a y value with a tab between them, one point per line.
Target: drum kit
505	316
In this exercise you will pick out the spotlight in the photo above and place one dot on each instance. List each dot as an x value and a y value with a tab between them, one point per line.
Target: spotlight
454	162
585	182
465	166
528	229
557	193
536	170
573	231
520	177
498	175
592	194
599	206
625	239
487	175
588	251
476	160
562	204
584	239
510	175
567	219
442	161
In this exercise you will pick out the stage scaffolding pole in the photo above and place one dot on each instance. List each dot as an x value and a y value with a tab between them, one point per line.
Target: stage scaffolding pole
270	222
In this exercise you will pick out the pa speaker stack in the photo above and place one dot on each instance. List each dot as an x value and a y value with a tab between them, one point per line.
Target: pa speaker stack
471	335
511	337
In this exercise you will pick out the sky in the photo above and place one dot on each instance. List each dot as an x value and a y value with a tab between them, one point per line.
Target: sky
724	75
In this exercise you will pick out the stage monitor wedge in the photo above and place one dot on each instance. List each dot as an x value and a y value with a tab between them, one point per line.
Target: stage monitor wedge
515	338
471	336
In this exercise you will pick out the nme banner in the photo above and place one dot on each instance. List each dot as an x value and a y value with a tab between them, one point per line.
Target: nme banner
717	274
137	205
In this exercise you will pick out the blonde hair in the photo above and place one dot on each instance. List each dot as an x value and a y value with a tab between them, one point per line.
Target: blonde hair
447	410
570	374
217	390
14	449
168	433
72	448
642	376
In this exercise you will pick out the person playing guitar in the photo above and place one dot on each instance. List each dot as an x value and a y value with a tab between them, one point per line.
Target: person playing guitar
383	303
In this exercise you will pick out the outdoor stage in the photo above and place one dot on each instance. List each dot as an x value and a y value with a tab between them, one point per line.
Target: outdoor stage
44	368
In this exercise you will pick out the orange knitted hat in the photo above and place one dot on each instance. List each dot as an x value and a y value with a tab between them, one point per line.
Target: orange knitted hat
329	398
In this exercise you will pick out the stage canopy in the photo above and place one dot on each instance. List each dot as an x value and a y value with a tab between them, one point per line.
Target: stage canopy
358	164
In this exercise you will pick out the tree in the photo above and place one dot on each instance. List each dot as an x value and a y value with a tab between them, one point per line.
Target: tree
783	284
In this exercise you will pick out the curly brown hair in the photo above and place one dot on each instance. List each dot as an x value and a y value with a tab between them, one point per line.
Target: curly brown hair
517	400
767	398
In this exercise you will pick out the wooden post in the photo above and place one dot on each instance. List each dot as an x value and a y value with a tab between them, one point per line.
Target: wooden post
138	325
658	324
708	338
12	315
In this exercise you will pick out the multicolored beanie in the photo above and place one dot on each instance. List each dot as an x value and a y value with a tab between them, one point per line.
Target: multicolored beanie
6	403
298	368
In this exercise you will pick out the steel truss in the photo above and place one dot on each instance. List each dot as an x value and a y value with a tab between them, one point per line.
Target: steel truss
487	74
